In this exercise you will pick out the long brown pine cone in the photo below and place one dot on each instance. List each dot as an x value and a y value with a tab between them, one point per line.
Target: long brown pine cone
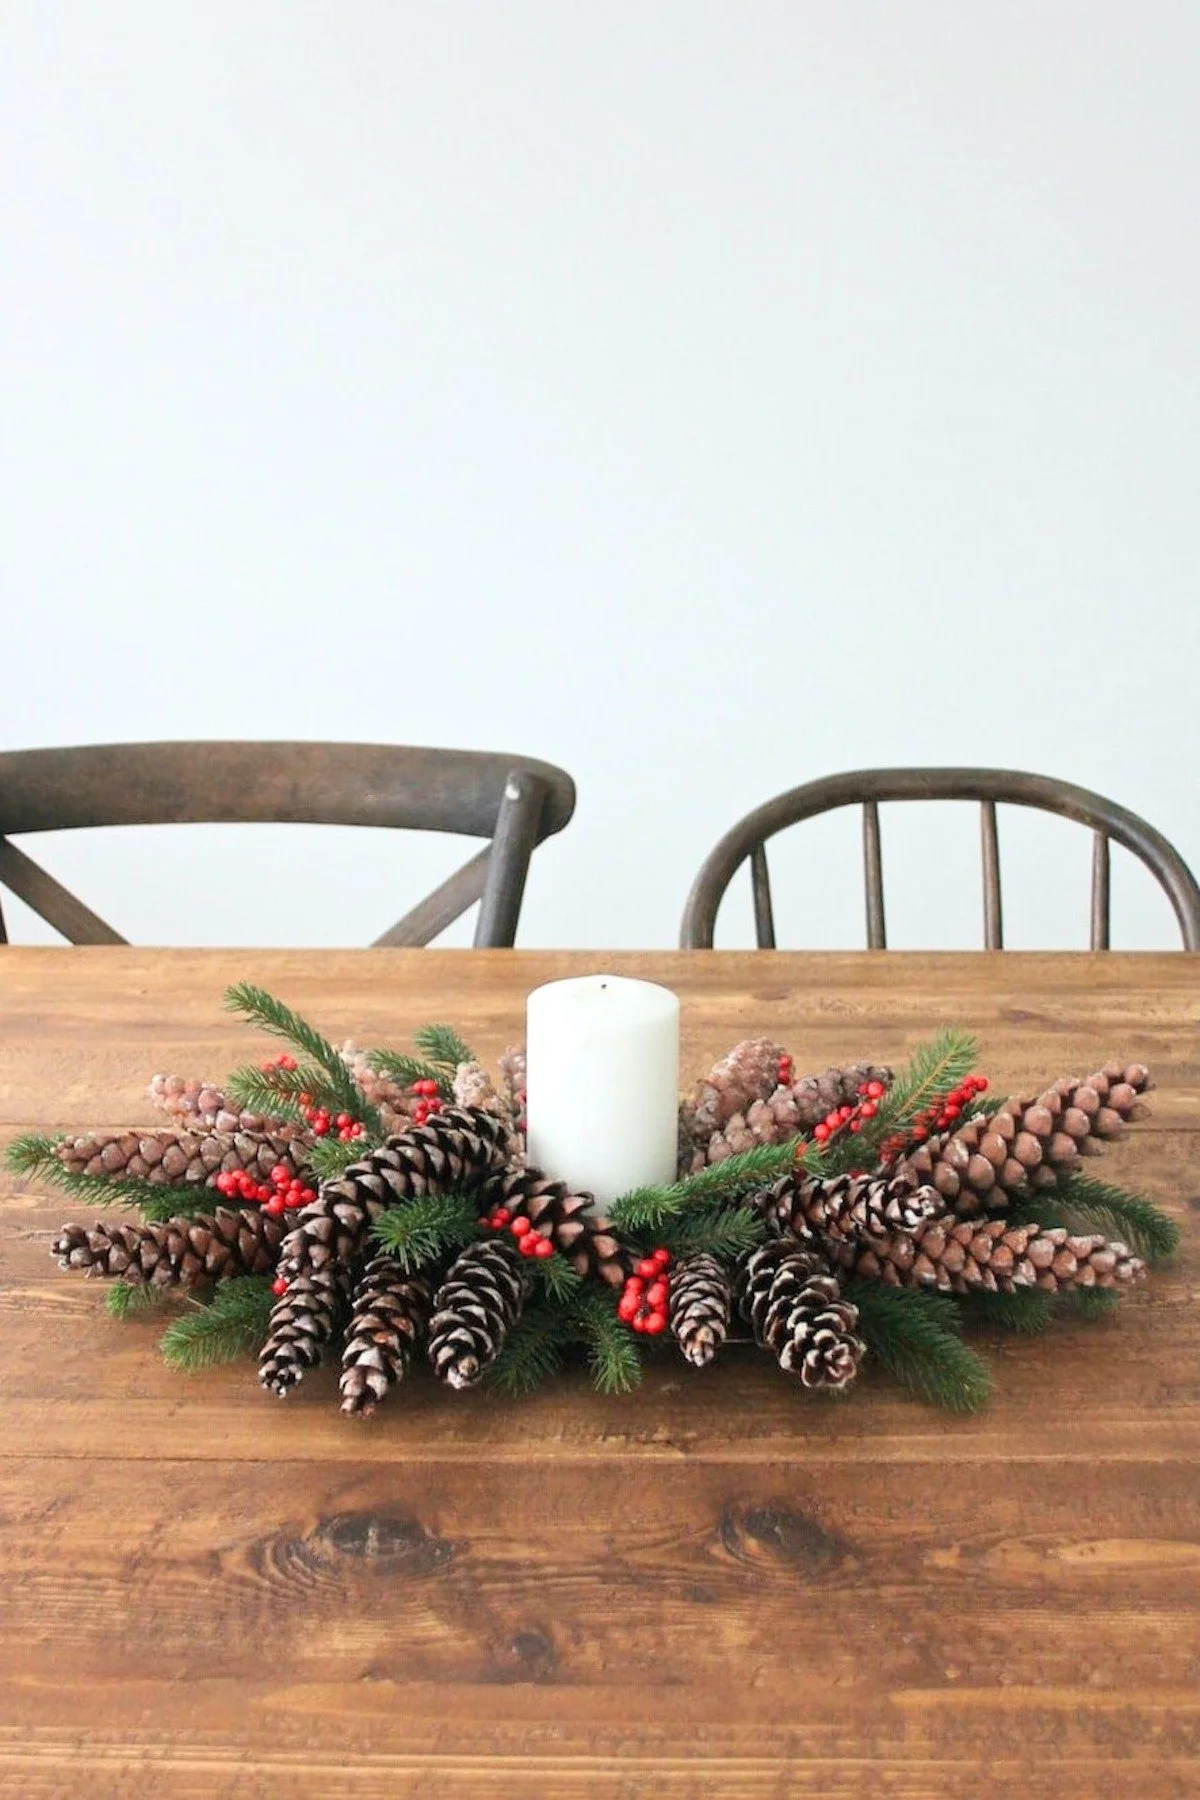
177	1252
389	1315
176	1158
454	1153
990	1255
475	1308
1032	1142
795	1308
846	1208
579	1233
785	1110
700	1307
202	1106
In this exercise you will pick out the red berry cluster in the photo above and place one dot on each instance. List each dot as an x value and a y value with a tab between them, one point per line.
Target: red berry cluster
851	1118
942	1117
284	1193
643	1302
319	1119
427	1101
785	1070
530	1242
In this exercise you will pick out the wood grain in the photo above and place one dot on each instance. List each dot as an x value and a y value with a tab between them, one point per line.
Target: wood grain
712	1588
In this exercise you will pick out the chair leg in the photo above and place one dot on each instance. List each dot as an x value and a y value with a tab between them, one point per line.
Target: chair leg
512	846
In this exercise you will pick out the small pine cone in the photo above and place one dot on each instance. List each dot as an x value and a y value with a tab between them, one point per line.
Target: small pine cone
750	1072
795	1308
700	1306
389	1314
202	1106
474	1087
786	1110
1032	1142
514	1080
992	1256
475	1308
177	1252
175	1158
569	1220
847	1208
816	1095
319	1259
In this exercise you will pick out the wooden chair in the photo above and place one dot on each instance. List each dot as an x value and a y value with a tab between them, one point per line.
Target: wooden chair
512	801
991	787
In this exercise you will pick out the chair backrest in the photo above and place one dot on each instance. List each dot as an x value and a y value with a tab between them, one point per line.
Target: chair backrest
990	787
513	801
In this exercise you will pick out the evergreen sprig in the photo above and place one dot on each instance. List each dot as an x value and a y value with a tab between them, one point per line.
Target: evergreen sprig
407	1070
557	1278
722	1234
126	1299
1025	1311
1098	1206
612	1349
1089	1303
426	1227
927	1077
232	1324
531	1352
258	1091
916	1335
273	1016
33	1154
442	1045
329	1157
648	1210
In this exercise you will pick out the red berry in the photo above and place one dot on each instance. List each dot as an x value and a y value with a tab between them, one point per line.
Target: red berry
656	1322
503	1214
276	1205
639	1323
662	1256
279	1285
528	1246
634	1285
876	1090
854	1126
845	1112
542	1246
920	1133
627	1307
821	1132
981	1082
952	1111
647	1268
320	1127
521	1227
869	1109
281	1172
656	1294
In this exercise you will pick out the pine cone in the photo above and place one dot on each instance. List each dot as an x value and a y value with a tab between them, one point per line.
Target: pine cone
991	1255
1031	1142
579	1233
175	1158
514	1080
392	1101
177	1252
847	1208
454	1152
795	1308
788	1109
474	1087
748	1073
202	1106
474	1310
388	1316
700	1305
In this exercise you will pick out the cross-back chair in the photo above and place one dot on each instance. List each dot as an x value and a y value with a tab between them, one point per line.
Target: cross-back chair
868	788
512	801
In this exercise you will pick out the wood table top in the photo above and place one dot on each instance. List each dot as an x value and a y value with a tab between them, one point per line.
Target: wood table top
713	1588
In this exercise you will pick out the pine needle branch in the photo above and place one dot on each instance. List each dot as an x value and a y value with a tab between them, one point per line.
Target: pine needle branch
612	1350
916	1335
126	1299
232	1324
1089	1303
1131	1217
329	1157
531	1352
427	1227
722	1234
274	1092
34	1155
558	1279
442	1045
271	1015
1026	1311
406	1070
649	1209
930	1073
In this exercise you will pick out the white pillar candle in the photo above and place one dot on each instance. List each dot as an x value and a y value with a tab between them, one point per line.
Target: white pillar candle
603	1083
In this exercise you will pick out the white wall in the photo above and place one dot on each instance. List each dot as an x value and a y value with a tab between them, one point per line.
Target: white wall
704	396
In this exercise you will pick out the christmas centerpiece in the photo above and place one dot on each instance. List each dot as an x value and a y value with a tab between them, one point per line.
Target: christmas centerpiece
380	1206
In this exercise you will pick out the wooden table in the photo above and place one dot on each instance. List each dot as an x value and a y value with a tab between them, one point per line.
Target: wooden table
711	1589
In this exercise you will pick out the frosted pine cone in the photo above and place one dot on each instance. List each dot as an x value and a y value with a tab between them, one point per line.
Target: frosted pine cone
175	1158
1032	1142
992	1256
795	1307
389	1315
474	1310
201	1106
177	1252
847	1208
569	1220
701	1302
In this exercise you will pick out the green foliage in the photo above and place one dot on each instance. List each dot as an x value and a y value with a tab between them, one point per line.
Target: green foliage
612	1349
328	1157
930	1073
649	1210
427	1227
916	1335
1089	1303
442	1045
32	1154
556	1277
1027	1311
273	1092
271	1015
722	1234
1096	1206
126	1299
531	1352
409	1069
233	1323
